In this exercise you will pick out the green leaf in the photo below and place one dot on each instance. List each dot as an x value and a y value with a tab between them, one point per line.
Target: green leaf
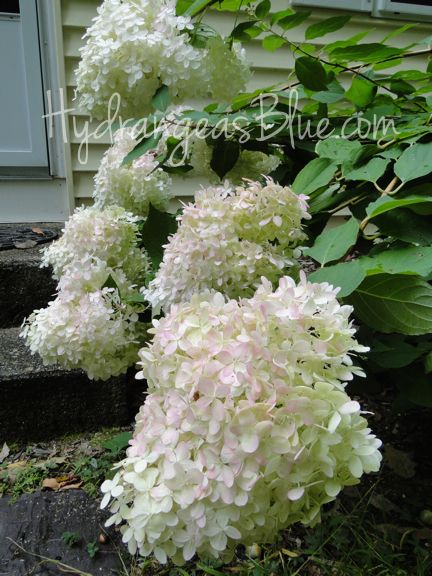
316	174
230	5
347	275
393	352
225	156
324	198
162	99
311	73
293	20
348	42
393	152
368	53
403	224
334	243
141	148
398	31
394	303
155	232
361	92
401	87
339	150
272	42
281	14
414	162
370	172
405	260
263	8
333	93
387	203
192	8
134	299
246	30
326	26
118	442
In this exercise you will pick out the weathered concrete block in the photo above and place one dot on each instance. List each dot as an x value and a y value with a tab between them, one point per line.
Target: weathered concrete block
24	286
41	402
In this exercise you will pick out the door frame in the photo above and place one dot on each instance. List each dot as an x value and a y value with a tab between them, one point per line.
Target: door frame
49	197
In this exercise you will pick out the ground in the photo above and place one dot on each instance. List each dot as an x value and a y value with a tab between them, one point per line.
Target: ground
382	527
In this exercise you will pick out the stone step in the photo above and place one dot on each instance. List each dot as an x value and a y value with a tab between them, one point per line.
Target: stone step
40	402
24	286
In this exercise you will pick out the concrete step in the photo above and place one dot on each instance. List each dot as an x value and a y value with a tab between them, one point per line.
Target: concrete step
40	402
24	286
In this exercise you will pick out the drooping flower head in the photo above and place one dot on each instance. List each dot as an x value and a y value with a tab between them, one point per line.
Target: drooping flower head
87	326
247	427
227	240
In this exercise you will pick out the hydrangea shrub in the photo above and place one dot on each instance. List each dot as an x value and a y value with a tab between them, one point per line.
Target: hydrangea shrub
247	427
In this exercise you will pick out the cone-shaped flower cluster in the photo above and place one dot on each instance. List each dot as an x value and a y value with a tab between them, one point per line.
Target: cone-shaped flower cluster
247	427
227	240
136	46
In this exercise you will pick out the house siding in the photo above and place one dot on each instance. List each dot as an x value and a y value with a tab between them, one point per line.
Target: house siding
268	68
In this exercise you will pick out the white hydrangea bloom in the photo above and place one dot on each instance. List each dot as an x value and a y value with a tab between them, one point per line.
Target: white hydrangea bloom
247	427
86	327
136	46
223	72
109	235
223	244
132	186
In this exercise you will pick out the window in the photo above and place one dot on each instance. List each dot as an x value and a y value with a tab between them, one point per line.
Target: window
10	6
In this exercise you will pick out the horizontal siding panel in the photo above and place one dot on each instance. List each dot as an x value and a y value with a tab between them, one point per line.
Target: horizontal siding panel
83	184
87	160
78	13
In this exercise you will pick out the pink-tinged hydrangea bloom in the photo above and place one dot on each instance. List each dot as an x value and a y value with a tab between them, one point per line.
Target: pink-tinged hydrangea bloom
247	427
227	240
135	46
109	235
87	326
133	186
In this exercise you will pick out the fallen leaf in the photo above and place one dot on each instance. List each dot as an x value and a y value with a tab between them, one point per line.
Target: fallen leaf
25	245
71	487
289	553
50	484
38	231
4	452
400	462
19	464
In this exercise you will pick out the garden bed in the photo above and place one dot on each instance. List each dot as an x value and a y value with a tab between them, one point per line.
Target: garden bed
383	526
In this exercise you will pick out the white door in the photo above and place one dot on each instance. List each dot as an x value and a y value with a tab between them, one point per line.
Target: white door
23	141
